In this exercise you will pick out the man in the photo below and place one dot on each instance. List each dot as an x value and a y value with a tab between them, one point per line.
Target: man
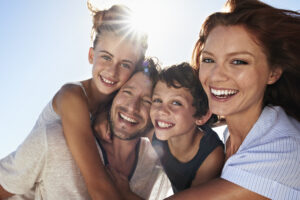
43	168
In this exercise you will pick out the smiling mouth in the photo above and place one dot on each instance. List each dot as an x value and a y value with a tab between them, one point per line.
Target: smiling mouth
107	81
163	125
127	119
223	94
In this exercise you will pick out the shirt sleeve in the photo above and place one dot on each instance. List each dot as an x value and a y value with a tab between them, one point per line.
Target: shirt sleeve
270	169
21	170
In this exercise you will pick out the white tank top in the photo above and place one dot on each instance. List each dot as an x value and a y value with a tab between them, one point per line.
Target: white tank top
48	115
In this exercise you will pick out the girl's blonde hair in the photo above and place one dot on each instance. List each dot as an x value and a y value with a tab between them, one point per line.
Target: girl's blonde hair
116	19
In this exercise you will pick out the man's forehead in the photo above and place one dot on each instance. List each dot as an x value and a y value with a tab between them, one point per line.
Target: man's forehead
139	81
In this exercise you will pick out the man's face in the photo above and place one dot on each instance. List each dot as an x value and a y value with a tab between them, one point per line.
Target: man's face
130	109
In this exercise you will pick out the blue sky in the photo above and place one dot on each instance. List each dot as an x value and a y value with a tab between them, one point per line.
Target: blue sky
44	44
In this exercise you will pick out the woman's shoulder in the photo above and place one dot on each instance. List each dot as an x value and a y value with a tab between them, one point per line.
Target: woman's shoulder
279	121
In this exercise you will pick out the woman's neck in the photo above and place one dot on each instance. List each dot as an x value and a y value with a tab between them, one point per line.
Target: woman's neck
239	126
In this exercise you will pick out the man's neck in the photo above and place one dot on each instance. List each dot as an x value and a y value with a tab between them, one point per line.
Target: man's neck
121	154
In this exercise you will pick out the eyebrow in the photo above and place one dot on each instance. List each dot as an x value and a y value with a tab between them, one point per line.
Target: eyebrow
172	96
132	87
128	87
231	54
104	51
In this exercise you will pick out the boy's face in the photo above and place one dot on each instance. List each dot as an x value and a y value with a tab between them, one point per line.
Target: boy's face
172	111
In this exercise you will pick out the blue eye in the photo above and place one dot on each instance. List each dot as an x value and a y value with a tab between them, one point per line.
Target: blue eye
239	62
177	103
106	57
125	65
156	100
208	60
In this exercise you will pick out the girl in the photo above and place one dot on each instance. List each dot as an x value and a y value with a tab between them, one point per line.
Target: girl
189	154
114	56
249	66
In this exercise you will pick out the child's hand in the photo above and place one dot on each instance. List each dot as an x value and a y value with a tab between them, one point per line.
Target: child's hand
120	180
102	128
122	184
105	134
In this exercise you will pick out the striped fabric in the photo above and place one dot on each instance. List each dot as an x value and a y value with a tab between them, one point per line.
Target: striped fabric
268	161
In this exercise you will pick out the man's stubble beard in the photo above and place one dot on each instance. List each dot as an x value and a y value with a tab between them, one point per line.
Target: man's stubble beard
139	133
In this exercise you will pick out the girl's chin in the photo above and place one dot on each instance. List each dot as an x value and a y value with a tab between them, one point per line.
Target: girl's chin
161	136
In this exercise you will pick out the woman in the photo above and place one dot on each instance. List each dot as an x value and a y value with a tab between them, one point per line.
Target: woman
249	66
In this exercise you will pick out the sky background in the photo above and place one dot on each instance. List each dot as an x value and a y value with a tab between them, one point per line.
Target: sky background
44	44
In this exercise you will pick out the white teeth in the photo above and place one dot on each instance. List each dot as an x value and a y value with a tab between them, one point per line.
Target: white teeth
223	92
127	118
107	81
163	124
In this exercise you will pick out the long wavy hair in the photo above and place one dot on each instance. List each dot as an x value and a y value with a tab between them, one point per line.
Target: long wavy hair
277	31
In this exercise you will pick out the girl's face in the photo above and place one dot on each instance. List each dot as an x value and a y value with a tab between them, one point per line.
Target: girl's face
234	72
114	60
172	111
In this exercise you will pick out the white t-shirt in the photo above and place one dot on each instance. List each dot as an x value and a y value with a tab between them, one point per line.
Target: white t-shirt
43	168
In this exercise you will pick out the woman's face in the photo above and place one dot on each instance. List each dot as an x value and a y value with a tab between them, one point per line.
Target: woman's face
114	59
234	72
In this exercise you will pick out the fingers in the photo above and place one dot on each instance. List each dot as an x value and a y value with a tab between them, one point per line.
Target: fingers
108	134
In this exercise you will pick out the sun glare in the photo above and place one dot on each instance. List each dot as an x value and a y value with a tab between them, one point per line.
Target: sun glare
144	19
156	18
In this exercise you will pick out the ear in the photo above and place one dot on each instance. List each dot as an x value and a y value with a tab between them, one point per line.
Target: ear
274	75
202	120
91	55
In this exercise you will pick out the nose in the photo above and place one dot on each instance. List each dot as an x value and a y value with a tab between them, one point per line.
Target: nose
218	73
133	105
163	109
112	69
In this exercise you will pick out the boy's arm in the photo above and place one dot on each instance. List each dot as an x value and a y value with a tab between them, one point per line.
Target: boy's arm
71	104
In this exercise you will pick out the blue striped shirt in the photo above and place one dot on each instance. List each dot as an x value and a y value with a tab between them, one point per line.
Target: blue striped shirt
268	160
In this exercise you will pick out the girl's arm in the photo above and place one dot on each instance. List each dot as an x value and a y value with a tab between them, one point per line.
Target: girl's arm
209	187
123	185
217	189
211	167
71	104
4	194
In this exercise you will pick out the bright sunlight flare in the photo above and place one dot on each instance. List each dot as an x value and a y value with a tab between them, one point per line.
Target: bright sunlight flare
149	17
